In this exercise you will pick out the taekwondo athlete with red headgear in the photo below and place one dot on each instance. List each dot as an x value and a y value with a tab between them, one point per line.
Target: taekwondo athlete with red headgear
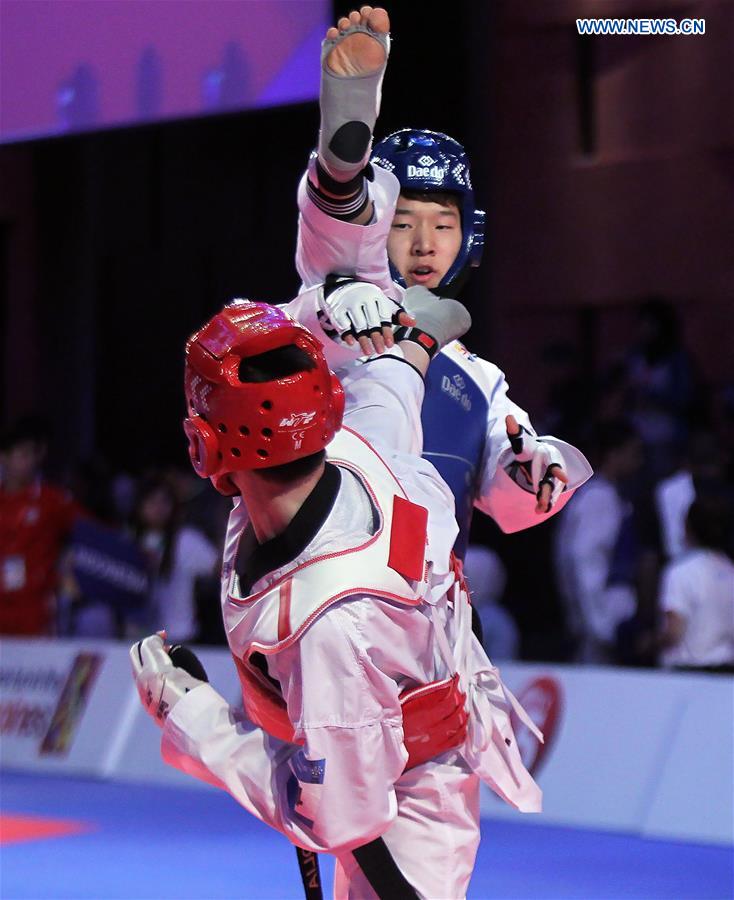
403	214
341	597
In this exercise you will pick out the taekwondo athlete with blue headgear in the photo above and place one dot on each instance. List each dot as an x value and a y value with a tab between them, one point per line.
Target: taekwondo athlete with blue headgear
407	217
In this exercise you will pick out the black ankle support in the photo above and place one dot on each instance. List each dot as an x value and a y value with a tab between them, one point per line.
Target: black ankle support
340	188
346	208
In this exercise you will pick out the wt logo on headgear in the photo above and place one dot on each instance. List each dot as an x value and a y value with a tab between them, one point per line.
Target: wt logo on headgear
297	420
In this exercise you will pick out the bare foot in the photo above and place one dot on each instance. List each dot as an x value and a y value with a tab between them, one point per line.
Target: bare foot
358	54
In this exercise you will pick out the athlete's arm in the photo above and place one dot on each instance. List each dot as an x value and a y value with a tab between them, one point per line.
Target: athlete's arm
384	397
510	480
349	322
336	791
384	394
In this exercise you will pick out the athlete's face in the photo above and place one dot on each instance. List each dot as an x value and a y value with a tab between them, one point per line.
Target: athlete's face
424	240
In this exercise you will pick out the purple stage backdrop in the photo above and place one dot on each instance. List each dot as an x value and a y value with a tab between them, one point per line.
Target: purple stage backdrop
69	65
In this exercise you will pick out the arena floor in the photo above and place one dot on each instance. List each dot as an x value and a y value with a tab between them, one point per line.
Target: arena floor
68	839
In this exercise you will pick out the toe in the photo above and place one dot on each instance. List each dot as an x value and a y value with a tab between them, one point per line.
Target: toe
378	20
343	23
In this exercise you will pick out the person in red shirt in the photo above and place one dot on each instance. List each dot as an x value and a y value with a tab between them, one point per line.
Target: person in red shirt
35	520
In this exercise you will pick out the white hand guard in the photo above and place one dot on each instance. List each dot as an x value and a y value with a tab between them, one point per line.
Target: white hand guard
354	307
535	460
160	684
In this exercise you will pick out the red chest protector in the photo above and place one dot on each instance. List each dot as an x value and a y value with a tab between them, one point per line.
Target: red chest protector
391	564
434	717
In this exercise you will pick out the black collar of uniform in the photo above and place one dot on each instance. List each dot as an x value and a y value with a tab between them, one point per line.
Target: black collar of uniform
255	560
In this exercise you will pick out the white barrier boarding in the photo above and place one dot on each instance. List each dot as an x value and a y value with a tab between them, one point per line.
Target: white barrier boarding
645	752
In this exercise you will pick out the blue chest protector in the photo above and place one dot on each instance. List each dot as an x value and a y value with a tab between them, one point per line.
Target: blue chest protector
454	435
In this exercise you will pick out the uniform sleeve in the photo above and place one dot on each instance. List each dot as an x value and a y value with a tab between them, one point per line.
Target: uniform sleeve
383	401
326	244
511	506
347	712
204	738
335	792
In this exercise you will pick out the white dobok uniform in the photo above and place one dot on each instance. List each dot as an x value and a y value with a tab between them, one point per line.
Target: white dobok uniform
362	604
464	432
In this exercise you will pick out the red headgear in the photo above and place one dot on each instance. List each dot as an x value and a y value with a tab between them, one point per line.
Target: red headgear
235	425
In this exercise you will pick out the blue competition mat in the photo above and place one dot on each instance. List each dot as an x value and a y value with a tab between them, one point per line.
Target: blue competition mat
67	839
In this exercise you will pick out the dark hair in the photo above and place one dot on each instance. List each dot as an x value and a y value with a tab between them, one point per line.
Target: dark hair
666	337
612	435
151	485
91	485
28	429
293	471
709	522
274	364
268	366
443	198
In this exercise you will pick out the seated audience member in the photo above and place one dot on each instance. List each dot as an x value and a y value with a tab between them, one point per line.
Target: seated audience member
178	555
35	521
595	547
697	593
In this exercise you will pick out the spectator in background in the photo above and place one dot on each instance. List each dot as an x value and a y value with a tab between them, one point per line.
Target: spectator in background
205	510
703	471
661	379
723	422
595	547
697	592
611	401
104	581
200	505
486	577
570	393
177	556
35	521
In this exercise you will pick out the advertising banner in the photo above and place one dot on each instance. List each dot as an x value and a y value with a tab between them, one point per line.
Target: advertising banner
61	703
643	752
638	751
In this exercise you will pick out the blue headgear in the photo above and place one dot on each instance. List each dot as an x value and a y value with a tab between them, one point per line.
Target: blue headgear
424	160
